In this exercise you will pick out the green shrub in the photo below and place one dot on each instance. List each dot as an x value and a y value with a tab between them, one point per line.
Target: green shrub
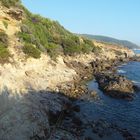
4	54
27	38
70	46
96	50
34	33
88	42
25	29
68	42
31	51
54	50
72	50
5	24
86	48
4	38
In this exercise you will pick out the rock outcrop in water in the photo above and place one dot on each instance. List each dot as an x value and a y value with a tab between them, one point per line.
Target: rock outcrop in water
115	85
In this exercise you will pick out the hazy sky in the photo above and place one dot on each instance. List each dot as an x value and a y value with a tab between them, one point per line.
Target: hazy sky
115	18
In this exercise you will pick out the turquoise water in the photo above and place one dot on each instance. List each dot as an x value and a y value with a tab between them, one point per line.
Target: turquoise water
126	114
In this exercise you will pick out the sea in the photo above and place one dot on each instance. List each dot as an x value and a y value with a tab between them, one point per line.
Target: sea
136	51
126	114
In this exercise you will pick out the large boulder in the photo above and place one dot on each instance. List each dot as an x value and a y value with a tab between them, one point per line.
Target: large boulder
116	86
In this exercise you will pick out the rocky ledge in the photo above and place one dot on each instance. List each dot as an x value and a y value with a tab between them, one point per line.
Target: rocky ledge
104	71
116	86
136	58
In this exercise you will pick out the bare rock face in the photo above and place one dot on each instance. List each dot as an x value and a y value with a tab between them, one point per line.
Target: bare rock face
27	117
115	85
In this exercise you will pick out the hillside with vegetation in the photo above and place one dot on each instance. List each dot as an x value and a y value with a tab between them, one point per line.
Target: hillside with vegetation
42	46
39	34
111	40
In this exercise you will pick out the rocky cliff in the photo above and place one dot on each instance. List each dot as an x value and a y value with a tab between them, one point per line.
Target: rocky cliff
27	83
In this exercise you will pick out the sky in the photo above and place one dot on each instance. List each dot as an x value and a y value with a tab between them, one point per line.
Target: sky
114	18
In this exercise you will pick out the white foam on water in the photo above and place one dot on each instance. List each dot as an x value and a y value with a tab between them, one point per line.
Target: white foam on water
121	71
136	82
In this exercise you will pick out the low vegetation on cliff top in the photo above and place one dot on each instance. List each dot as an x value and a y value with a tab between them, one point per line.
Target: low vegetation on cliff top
39	34
49	36
9	3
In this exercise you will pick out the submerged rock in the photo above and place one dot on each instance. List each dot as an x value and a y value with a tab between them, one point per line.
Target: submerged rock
115	85
94	95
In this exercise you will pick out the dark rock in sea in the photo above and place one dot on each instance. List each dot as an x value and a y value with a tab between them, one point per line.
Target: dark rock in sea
77	121
88	138
76	108
137	88
116	86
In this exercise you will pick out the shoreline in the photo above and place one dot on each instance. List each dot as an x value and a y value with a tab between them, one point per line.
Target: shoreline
78	87
46	106
98	124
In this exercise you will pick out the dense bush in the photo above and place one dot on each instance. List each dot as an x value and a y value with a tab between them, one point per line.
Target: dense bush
4	38
4	53
31	51
86	48
72	50
8	3
68	42
27	38
54	50
88	42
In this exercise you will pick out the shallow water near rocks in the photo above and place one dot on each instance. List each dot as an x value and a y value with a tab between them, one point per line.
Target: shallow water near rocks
124	114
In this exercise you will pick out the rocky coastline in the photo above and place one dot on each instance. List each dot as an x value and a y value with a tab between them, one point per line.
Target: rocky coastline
105	73
53	114
102	71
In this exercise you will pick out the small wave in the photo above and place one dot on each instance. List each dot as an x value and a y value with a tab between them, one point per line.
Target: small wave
121	71
122	65
136	82
136	49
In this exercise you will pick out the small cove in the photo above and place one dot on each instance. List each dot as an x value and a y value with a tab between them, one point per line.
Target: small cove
125	114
